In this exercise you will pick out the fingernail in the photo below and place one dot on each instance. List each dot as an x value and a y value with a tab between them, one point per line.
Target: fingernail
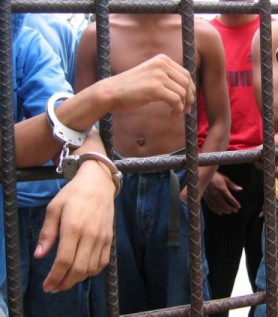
38	250
48	289
238	188
54	291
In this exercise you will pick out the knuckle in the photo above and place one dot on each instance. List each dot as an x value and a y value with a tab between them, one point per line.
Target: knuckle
64	261
81	271
45	233
93	270
75	228
104	262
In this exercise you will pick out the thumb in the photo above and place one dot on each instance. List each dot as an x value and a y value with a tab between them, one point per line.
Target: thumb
49	231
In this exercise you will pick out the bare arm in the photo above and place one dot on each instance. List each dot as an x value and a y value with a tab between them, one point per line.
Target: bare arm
157	79
256	57
86	71
82	217
84	245
214	86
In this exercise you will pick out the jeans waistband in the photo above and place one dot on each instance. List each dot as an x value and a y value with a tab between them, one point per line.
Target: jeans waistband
174	201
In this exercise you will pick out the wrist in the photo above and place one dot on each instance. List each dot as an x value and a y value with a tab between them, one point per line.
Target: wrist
105	96
62	132
71	163
95	171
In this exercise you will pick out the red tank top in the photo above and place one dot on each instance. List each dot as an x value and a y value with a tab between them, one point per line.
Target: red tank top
246	128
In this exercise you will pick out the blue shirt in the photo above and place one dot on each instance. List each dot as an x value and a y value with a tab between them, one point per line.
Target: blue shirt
34	84
61	37
37	76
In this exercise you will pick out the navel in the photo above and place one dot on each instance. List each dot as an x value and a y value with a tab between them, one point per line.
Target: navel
141	141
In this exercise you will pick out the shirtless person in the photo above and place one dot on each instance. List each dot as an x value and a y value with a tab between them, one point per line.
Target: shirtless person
152	273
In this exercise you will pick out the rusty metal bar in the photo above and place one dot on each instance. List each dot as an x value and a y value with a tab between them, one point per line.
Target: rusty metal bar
268	158
192	169
210	307
186	8
136	6
104	71
8	176
154	163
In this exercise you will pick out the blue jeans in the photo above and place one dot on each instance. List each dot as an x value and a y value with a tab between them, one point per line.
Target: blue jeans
151	273
3	279
3	284
37	303
260	310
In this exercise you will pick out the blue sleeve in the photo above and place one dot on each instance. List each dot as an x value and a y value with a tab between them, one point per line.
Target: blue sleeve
60	35
39	73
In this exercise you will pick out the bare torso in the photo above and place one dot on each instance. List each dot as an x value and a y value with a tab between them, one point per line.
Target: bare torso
149	130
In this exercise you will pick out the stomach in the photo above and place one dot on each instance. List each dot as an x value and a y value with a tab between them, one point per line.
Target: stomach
142	132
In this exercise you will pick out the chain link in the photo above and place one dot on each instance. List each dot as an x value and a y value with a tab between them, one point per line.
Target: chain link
64	153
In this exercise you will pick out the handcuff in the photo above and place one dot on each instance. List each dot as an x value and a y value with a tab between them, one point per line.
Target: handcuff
69	164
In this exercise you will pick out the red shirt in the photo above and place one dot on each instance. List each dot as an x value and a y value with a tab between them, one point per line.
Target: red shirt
246	128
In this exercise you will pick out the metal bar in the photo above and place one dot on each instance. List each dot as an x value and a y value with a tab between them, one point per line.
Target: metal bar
136	6
192	169
8	175
210	307
104	71
154	163
268	157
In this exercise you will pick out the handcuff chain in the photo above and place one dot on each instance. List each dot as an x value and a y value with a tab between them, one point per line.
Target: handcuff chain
64	153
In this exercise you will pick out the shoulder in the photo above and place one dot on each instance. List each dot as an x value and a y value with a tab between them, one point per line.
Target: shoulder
31	46
88	36
206	33
53	27
28	38
88	40
204	29
89	31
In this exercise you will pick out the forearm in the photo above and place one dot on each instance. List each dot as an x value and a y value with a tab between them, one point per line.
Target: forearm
34	140
214	142
85	108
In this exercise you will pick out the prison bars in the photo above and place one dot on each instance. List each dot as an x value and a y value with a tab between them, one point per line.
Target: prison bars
264	9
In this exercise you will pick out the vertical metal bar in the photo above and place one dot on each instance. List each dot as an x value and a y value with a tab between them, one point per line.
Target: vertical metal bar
104	71
103	64
8	163
187	14
268	157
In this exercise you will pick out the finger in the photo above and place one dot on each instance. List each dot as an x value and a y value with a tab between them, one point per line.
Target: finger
233	186
180	80
184	80
232	201
103	259
177	97
49	231
79	269
88	262
220	206
64	259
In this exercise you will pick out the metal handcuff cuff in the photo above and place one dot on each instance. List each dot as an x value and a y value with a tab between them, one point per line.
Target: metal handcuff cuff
69	164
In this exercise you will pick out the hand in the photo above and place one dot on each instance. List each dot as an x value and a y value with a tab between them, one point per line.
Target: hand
158	79
82	216
218	195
